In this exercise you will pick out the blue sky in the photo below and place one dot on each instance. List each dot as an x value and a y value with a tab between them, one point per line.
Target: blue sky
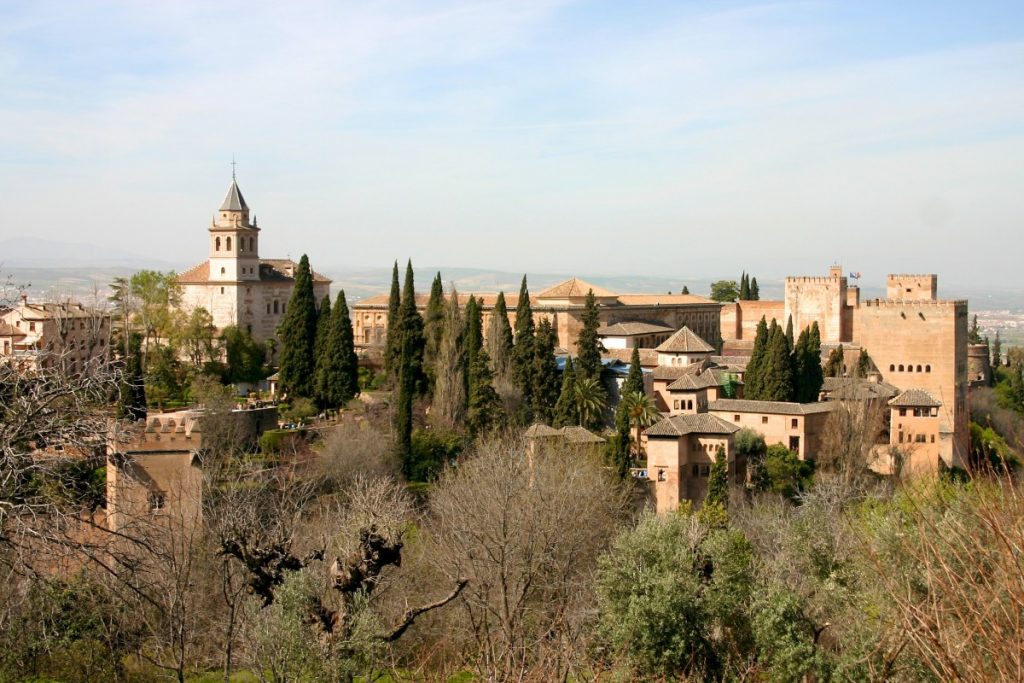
672	138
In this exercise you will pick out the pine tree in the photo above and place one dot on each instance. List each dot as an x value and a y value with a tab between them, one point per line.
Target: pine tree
522	352
485	410
755	291
131	400
391	346
337	380
588	344
566	412
752	378
433	322
744	287
718	481
450	398
835	362
545	373
499	338
298	336
973	335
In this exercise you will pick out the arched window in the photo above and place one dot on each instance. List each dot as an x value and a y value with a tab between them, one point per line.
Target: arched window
222	271
218	244
892	368
910	368
252	241
919	368
927	368
268	308
275	307
901	368
229	244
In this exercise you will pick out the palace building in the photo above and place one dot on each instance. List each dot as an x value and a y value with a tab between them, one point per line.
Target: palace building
234	284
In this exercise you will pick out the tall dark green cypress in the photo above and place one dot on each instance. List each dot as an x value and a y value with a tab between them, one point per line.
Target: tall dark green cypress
474	335
800	369
755	291
545	373
566	412
298	335
718	481
323	330
522	352
635	378
789	332
131	400
485	409
814	376
433	323
391	347
499	338
835	362
337	379
410	367
588	344
777	374
744	287
753	377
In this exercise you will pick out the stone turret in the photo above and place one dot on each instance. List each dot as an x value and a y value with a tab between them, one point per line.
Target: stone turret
234	241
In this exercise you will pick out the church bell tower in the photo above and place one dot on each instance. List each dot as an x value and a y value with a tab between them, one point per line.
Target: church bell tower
234	241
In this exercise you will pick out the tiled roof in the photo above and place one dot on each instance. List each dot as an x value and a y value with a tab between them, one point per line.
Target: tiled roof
573	288
736	405
855	389
916	398
234	201
685	341
541	430
628	329
734	361
648	357
10	330
568	434
695	382
270	269
664	300
674	372
488	299
702	423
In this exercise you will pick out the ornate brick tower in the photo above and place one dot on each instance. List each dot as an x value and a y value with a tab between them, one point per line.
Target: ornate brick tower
234	242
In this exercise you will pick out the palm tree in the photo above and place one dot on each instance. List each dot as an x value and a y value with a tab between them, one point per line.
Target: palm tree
590	398
641	411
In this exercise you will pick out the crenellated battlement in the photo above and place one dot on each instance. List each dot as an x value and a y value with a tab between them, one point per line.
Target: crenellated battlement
900	276
813	280
914	303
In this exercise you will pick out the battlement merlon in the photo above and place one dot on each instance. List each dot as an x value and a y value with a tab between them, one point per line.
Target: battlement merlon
916	303
814	280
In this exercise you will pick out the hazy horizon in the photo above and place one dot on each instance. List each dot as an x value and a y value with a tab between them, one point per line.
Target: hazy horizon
669	140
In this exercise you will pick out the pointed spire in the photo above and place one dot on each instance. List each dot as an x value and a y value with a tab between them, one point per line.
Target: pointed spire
234	201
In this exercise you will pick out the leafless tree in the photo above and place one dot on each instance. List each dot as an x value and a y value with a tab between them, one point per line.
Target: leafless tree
525	533
851	431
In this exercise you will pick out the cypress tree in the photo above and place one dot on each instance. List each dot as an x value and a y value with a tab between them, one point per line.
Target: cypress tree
744	287
499	338
997	351
522	352
752	378
323	329
298	335
394	332
588	344
433	322
813	377
863	363
635	378
474	337
337	380
450	369
718	481
777	375
566	413
131	400
800	367
485	410
755	292
686	290
410	367
545	373
789	332
834	364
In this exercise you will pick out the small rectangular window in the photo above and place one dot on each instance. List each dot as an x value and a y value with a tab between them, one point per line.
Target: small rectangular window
735	418
157	501
764	419
705	469
794	423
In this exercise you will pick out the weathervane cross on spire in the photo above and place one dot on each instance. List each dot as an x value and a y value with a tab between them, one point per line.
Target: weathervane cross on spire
233	179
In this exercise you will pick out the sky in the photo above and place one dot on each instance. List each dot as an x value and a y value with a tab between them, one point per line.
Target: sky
678	139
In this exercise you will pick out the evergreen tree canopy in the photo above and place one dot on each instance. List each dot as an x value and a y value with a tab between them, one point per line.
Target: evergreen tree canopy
323	327
807	364
410	368
755	291
789	332
588	344
864	363
131	400
686	290
499	338
718	481
635	378
834	364
546	382
744	287
725	291
474	336
485	410
752	379
433	322
245	356
450	387
973	335
391	345
566	412
298	336
777	370
997	351
337	379
523	353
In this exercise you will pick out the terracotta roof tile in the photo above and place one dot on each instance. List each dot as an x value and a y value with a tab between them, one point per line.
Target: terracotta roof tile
735	405
702	423
574	288
685	341
916	398
630	328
